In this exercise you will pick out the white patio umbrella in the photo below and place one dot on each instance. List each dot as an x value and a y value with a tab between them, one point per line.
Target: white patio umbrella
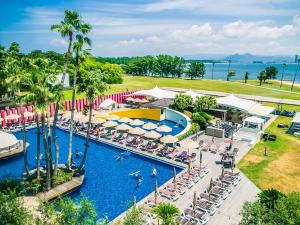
100	114
112	117
136	122
1	119
79	116
152	135
129	99
169	139
98	120
125	120
164	128
109	124
149	126
189	144
137	131
123	127
28	114
12	117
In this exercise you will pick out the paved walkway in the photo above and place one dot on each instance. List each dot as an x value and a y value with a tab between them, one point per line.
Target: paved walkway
249	97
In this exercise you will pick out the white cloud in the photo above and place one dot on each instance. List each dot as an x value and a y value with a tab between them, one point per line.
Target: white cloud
240	29
58	42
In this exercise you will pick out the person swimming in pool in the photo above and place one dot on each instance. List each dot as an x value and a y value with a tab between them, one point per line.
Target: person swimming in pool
78	153
139	183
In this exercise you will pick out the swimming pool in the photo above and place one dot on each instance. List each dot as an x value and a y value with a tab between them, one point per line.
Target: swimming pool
107	183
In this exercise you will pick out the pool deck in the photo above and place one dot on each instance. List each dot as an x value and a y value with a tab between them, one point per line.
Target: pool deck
14	152
61	189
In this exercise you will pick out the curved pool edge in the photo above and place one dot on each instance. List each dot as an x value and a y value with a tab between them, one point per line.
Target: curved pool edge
176	116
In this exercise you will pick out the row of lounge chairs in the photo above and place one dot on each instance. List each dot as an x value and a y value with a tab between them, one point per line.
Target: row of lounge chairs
214	147
207	203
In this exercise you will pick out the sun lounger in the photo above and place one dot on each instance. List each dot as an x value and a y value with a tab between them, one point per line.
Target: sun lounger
176	188
196	215
168	194
217	200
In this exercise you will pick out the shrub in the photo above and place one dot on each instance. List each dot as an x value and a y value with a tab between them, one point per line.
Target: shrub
201	118
62	177
193	129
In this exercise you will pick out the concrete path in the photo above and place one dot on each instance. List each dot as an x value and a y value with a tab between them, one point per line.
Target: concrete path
249	97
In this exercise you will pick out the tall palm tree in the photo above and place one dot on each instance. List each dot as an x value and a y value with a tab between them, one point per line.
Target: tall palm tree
81	40
246	76
69	27
229	64
295	75
212	69
167	212
283	68
93	86
15	67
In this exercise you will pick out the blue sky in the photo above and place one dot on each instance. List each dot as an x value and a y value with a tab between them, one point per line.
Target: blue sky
177	27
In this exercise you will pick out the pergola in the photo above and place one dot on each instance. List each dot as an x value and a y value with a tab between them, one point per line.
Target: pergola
156	93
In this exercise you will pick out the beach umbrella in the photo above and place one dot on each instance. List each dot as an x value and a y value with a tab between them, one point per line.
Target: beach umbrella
28	114
1	119
143	100
200	159
12	117
194	203
137	131
123	127
169	139
174	175
164	128
109	124
189	144
136	122
222	175
134	201
149	126
112	117
155	190
129	99
98	120
125	120
152	135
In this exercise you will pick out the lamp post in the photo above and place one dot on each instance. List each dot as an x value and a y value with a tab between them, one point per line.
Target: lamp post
295	75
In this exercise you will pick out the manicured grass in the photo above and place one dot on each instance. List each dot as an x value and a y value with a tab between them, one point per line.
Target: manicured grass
274	84
139	82
280	169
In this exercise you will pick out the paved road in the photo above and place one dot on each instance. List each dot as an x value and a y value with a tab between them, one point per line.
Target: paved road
250	97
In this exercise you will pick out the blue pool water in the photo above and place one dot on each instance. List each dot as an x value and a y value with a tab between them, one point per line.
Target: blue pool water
107	183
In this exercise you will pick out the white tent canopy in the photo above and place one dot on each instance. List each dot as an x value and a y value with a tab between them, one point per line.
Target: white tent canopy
107	103
193	94
296	118
7	140
156	92
254	119
236	102
261	110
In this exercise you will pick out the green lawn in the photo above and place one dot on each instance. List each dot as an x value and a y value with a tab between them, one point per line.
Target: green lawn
280	169
139	82
273	84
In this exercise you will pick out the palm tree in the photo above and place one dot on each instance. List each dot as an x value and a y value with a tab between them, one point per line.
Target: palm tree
81	40
262	75
295	75
283	68
212	69
246	76
269	197
93	86
229	63
167	212
230	74
15	67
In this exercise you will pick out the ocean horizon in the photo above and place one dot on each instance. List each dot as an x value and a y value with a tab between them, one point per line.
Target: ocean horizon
221	69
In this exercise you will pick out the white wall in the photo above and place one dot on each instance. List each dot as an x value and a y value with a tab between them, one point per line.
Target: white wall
176	116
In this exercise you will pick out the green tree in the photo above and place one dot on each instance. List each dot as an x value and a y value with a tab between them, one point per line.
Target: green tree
211	102
230	74
134	216
271	72
282	74
93	86
261	77
167	212
12	211
254	214
181	102
246	77
199	119
196	70
200	103
81	41
269	197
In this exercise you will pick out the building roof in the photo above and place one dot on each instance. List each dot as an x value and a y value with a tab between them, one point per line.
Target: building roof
7	140
296	118
193	94
236	102
261	110
156	92
107	103
160	103
254	119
